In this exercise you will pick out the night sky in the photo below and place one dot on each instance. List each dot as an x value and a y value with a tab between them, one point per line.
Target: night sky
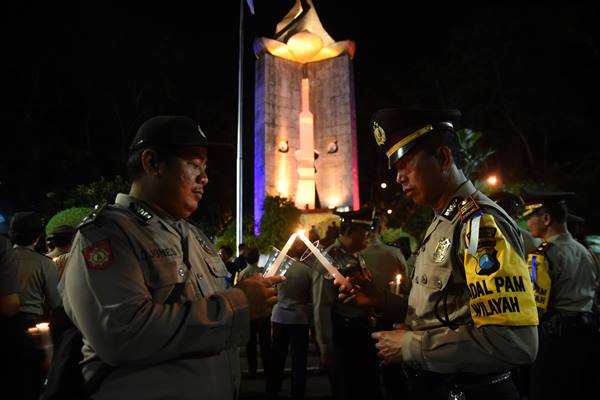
78	79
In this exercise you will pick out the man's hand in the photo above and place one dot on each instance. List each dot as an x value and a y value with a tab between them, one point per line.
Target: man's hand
363	293
389	344
261	293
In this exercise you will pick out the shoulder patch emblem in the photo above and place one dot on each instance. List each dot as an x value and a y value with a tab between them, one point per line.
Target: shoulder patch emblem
99	255
452	209
441	250
467	208
488	263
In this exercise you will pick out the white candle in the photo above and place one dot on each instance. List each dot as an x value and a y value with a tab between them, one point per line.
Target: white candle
325	262
275	266
398	281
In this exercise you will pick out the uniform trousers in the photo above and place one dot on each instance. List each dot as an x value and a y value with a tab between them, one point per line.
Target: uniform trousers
565	360
356	362
294	337
434	386
259	328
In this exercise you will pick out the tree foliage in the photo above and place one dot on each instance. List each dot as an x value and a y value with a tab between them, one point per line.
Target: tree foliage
70	216
91	194
280	219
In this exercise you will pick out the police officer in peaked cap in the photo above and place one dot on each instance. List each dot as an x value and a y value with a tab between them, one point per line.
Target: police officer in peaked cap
513	205
343	330
147	289
471	317
565	276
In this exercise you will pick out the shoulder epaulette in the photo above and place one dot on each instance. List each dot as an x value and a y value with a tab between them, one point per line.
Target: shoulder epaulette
91	217
468	208
543	248
450	211
140	212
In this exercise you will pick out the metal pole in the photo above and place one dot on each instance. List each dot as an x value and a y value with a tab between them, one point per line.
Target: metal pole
239	164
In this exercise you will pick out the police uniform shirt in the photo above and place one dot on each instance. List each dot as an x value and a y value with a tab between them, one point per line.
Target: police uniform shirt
573	273
384	262
149	296
325	301
459	344
294	296
38	281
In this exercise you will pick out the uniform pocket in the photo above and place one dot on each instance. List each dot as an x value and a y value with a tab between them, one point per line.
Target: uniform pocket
216	266
164	277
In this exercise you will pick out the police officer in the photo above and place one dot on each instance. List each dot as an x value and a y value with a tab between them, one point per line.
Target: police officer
147	289
564	273
471	313
343	330
513	205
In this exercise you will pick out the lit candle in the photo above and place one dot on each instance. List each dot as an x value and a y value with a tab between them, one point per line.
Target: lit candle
325	262
275	266
398	281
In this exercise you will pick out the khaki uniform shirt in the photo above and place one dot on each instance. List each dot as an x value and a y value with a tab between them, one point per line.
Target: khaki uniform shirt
148	294
38	282
325	301
384	262
431	344
574	274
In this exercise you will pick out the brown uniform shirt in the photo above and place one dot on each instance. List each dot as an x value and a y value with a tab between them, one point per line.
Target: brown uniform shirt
434	346
149	296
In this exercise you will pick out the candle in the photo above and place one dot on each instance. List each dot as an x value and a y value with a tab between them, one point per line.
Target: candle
275	266
332	270
398	281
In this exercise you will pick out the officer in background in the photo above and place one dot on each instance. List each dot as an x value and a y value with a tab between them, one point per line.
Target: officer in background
387	266
564	273
147	289
343	330
513	205
471	316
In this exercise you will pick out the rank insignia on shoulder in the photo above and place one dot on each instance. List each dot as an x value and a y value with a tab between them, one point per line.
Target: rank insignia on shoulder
143	214
452	209
99	255
467	208
542	248
91	217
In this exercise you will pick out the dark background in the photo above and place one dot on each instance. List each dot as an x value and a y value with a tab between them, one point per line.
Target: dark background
78	79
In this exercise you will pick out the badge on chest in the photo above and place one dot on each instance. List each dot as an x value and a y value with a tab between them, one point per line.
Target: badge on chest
442	248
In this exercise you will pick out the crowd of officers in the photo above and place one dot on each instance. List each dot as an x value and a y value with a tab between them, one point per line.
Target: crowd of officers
481	309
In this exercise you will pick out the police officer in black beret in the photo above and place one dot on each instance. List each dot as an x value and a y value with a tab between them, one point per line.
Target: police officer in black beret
471	316
565	276
147	289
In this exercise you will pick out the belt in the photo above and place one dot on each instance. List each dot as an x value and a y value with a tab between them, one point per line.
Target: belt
465	380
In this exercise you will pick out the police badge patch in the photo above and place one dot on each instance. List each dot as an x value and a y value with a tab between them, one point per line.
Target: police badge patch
441	250
98	255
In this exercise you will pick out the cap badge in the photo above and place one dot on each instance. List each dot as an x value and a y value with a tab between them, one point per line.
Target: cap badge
379	134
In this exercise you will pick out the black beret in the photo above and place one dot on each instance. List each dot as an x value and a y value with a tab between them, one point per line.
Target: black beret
171	130
533	200
396	130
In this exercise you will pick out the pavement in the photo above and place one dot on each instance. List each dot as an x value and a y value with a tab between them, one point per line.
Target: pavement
254	387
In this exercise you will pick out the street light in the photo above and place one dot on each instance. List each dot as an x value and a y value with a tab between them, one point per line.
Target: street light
383	185
492	180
